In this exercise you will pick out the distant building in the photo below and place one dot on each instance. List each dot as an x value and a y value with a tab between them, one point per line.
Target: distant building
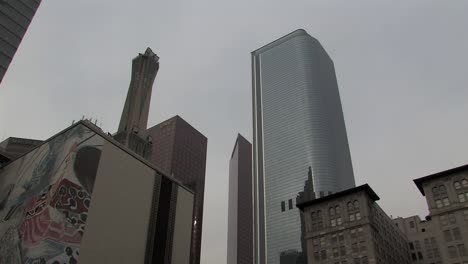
134	120
15	17
71	200
13	147
297	123
240	208
180	150
443	237
350	227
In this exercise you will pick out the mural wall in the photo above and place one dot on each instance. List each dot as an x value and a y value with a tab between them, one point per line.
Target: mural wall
44	199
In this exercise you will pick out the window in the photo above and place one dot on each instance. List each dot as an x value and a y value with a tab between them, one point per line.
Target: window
447	235
365	260
335	252
461	249
456	234
354	247
411	246
333	222
342	251
411	224
362	246
341	237
316	242
420	256
442	190
290	204
337	210
358	216
351	217
334	239
439	203
443	220
357	261
323	254
464	183
283	207
461	197
350	206
331	211
435	191
465	214
446	202
413	256
457	185
356	204
316	256
452	252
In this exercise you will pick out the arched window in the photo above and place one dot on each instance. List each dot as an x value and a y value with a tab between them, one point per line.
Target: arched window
435	191
319	214
350	206
337	209
442	190
312	215
356	204
331	211
464	183
457	185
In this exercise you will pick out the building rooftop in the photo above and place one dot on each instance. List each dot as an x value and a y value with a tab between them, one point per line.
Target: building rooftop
295	33
419	182
365	187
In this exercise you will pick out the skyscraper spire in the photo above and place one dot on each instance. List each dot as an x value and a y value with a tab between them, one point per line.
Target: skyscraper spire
135	113
132	127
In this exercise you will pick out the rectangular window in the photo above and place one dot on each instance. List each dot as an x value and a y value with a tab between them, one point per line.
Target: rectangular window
447	235
452	252
351	217
446	202
362	246
357	261
461	197
439	203
339	221
365	260
417	245
413	256
316	256
443	220
342	251
340	237
456	234
461	250
333	222
452	218
420	256
354	247
283	206
334	239
358	216
290	204
411	224
411	246
323	254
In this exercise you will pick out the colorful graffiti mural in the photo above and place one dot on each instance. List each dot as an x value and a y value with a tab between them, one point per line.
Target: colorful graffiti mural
45	197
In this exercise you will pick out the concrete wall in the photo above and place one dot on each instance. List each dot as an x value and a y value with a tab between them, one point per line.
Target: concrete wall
116	230
182	227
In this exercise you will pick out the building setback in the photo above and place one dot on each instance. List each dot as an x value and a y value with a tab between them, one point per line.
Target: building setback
297	123
71	200
15	17
240	209
349	227
13	147
180	150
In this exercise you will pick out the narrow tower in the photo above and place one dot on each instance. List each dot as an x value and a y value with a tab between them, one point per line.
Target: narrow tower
132	127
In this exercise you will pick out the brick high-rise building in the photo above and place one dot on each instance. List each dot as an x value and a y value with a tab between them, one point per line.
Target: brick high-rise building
15	17
240	212
180	150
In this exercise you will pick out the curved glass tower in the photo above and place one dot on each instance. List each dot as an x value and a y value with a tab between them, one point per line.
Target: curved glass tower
297	124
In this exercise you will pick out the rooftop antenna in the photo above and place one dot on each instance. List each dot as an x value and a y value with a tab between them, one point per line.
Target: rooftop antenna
82	117
73	121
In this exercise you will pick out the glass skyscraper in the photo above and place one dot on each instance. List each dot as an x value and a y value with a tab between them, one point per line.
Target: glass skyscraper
298	126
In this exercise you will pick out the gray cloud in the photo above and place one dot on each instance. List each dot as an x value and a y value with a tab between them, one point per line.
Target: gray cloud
401	68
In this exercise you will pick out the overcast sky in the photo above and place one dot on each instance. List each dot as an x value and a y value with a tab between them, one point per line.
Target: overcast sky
401	68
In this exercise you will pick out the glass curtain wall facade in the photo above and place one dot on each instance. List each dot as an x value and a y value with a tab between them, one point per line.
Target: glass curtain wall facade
15	17
297	123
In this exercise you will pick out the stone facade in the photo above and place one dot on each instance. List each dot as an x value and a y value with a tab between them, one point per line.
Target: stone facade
349	227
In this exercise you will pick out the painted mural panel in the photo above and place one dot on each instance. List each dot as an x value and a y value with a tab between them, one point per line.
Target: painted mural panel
44	199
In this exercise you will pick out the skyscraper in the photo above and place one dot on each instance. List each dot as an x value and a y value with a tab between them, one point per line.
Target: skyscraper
132	127
240	210
15	17
180	151
297	123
